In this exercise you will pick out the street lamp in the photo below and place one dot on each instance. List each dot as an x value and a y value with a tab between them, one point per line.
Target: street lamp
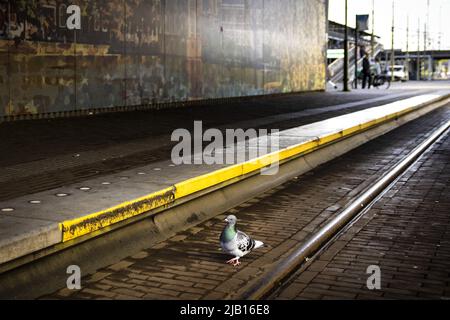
372	38
356	52
392	42
346	89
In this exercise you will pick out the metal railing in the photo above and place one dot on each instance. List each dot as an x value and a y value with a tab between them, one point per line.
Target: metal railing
336	68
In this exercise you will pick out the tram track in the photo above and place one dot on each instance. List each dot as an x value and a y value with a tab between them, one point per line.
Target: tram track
323	238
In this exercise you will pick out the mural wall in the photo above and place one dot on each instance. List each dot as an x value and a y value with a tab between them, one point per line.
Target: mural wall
133	52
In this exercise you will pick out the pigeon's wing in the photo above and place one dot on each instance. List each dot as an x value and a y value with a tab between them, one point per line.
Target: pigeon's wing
244	242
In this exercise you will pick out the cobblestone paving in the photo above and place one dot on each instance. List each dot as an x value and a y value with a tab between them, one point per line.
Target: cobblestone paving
406	234
190	266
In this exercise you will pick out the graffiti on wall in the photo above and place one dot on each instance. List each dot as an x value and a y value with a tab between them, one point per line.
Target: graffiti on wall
134	52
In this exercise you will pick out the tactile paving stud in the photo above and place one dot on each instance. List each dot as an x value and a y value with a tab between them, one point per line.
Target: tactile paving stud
62	195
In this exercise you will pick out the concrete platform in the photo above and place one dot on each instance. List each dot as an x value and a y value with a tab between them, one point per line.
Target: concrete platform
47	154
28	226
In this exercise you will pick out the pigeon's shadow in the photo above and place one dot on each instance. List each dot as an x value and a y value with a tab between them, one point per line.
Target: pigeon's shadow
219	256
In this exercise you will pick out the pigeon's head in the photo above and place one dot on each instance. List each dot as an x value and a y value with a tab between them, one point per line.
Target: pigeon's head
231	220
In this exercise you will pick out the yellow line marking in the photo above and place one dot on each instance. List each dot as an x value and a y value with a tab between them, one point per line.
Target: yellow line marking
205	181
75	228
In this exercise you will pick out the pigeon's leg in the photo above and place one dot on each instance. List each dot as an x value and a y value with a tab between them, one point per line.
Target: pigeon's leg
233	261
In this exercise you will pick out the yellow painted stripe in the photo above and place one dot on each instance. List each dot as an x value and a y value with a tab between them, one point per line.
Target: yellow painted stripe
205	181
259	163
330	138
75	228
351	130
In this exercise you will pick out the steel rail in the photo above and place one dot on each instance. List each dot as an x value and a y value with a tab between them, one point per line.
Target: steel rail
265	284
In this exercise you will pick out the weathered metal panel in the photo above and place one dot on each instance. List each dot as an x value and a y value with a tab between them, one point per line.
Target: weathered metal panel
133	52
101	55
4	59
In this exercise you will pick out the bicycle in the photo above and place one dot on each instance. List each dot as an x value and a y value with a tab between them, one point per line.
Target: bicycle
378	81
381	81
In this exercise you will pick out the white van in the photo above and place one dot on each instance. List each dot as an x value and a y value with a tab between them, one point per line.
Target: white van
400	73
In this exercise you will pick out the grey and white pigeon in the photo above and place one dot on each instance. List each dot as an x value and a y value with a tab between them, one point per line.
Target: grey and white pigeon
236	243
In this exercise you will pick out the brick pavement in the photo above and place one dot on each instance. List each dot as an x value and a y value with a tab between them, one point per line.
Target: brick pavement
406	233
190	266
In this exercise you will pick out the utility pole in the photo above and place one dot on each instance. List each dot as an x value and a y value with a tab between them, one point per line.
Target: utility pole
356	53
425	58
427	31
425	43
372	39
418	51
346	89
440	27
392	41
407	45
407	35
427	39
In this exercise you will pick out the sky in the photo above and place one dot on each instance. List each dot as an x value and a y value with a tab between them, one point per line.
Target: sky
438	25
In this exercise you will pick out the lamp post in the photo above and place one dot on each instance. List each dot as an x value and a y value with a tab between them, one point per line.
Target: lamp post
392	42
356	53
372	38
407	45
418	52
346	89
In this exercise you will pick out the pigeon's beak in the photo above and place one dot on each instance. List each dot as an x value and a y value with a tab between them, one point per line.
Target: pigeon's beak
226	220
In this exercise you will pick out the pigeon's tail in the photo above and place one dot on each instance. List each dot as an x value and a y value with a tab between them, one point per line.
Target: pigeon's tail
258	244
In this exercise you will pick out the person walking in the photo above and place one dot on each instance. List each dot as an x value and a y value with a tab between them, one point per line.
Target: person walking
367	77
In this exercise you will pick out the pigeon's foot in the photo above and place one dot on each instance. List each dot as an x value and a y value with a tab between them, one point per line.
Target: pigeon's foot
234	262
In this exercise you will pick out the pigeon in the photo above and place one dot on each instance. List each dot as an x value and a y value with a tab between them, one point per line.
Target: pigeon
236	243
